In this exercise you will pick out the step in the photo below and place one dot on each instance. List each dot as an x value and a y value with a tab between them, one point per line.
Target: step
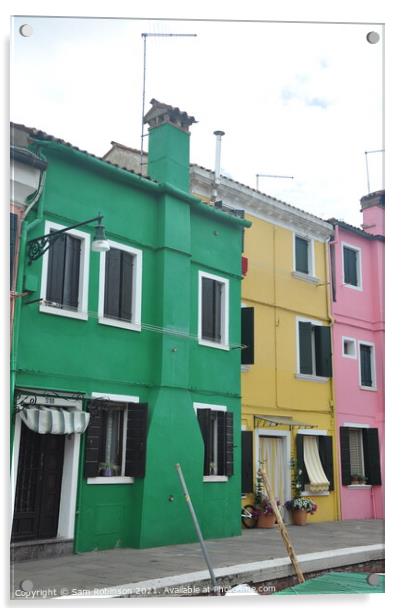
37	549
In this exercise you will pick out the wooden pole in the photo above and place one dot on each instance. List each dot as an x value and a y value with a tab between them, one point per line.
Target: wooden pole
283	529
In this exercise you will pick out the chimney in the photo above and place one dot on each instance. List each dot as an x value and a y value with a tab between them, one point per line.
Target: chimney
372	208
219	134
168	158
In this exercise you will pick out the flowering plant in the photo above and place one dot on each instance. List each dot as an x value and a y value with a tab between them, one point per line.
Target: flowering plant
265	507
301	502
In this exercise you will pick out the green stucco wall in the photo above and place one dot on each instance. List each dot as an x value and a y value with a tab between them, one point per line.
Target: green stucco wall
168	372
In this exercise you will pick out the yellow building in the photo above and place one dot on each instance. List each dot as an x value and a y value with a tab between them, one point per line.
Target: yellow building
287	391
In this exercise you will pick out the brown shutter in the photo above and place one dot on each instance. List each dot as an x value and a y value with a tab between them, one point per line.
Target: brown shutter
137	428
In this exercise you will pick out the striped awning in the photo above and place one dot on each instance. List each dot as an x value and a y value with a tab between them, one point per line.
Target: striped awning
318	481
54	420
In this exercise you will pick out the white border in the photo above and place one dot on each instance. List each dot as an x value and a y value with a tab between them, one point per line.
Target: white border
348	339
136	302
213	407
224	345
82	311
311	275
372	365
286	435
307	432
358	250
299	375
114	398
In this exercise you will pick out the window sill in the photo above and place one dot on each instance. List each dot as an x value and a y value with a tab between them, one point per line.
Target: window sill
245	367
61	312
311	377
309	493
120	324
359	486
365	388
109	480
353	286
214	478
305	277
213	345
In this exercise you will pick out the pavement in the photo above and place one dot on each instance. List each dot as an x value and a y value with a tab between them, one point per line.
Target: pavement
256	555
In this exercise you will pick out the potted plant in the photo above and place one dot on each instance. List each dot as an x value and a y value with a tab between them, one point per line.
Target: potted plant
264	511
106	469
266	517
358	480
300	506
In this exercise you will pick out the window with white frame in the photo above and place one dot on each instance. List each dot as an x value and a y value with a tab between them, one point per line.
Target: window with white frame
303	249
352	272
217	432
120	286
349	347
115	439
367	366
357	467
314	349
213	310
65	273
360	455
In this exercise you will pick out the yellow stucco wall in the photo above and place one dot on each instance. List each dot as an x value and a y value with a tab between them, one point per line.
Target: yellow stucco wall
271	386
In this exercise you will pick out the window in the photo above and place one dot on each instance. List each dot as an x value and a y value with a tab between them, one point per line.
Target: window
349	347
247	336
303	255
217	432
213	310
367	371
116	440
352	266
360	456
65	272
314	349
120	287
315	459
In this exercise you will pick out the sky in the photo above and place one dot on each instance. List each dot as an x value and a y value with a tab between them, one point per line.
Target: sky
294	99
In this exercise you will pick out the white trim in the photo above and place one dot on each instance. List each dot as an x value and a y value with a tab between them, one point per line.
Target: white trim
348	339
355	425
311	377
373	387
115	398
308	432
299	374
305	277
358	486
358	250
225	302
309	493
214	478
311	275
136	301
82	311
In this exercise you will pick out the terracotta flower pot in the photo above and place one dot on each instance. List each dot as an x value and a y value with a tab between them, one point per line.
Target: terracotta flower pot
299	517
266	520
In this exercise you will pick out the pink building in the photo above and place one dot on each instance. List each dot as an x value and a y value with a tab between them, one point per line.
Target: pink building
357	260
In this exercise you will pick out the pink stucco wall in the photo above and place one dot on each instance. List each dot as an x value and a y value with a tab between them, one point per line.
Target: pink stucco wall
359	314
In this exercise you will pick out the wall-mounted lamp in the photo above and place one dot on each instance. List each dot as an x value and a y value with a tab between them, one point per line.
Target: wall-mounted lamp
39	245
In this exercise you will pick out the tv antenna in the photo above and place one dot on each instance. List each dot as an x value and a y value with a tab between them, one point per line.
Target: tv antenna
266	175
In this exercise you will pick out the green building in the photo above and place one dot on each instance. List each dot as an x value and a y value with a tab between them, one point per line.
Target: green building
125	362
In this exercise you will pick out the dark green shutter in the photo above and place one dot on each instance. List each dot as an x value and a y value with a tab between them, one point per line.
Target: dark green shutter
93	440
300	464
301	255
345	456
371	455
127	264
305	347
365	352
137	428
326	457
221	442
207	309
229	436
246	461
204	424
112	284
350	266
55	271
247	336
323	350
13	242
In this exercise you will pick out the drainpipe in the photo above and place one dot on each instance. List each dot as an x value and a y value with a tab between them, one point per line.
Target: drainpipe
332	388
25	229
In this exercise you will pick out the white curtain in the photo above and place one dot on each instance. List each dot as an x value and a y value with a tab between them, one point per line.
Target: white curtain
272	454
318	481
